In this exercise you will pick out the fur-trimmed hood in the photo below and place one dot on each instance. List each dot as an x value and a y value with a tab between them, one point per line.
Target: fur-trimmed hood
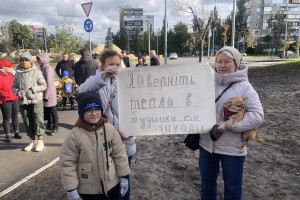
89	127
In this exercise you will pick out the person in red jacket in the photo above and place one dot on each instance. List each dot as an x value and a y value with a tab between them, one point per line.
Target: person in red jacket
8	100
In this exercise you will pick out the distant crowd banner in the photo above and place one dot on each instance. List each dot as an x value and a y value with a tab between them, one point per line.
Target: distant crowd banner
172	99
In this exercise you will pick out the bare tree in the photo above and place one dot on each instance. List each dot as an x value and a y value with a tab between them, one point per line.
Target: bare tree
200	29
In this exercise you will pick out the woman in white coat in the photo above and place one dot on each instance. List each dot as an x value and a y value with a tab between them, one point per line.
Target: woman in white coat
225	150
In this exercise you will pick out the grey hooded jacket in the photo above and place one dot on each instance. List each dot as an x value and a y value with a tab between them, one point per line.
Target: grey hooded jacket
29	84
227	143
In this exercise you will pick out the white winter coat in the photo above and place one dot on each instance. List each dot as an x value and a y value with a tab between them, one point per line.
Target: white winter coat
227	143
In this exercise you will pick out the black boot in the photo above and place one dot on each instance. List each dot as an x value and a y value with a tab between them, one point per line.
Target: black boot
7	138
53	132
17	135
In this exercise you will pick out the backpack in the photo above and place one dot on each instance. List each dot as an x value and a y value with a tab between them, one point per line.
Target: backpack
68	87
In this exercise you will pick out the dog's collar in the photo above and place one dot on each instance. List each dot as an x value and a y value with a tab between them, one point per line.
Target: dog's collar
228	113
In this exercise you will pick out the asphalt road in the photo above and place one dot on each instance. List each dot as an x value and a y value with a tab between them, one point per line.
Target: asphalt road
16	164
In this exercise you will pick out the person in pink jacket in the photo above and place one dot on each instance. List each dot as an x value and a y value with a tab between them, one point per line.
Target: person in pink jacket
49	95
8	100
229	69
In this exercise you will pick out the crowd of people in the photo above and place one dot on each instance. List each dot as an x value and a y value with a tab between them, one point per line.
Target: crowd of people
96	156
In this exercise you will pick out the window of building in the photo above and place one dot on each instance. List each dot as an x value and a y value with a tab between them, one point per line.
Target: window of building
295	8
275	1
267	9
257	9
258	2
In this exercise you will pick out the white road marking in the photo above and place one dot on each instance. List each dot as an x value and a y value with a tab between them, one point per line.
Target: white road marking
14	186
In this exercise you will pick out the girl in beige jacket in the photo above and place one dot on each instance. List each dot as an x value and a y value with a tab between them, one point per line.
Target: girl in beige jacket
93	156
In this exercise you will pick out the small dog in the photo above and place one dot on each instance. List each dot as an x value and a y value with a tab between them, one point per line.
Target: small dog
234	108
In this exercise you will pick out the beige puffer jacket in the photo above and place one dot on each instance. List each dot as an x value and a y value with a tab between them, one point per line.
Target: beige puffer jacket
29	85
228	142
84	160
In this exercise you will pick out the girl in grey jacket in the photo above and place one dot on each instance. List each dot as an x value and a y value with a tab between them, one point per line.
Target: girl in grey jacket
228	70
28	85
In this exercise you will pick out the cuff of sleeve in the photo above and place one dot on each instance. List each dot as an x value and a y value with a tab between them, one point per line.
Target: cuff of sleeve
229	124
33	90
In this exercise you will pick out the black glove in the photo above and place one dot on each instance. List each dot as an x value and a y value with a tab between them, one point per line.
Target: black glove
214	133
45	100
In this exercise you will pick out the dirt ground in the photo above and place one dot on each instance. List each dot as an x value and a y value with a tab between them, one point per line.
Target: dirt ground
164	169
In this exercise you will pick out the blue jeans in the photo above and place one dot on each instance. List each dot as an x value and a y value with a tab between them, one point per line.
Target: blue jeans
232	167
127	195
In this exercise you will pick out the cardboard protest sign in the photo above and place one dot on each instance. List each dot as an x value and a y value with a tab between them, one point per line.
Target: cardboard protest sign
173	99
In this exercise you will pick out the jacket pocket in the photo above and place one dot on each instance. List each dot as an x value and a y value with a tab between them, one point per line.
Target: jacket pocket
85	173
112	175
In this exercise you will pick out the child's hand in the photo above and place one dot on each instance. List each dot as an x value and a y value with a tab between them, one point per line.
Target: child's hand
123	136
110	71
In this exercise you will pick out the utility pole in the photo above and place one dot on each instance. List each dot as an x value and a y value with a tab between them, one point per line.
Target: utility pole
149	38
157	43
285	34
166	30
213	31
22	43
45	40
208	44
233	23
298	42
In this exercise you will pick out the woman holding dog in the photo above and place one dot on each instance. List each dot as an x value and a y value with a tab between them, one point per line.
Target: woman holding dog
225	149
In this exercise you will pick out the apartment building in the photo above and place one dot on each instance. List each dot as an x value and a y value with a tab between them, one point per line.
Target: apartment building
4	31
133	19
39	33
258	12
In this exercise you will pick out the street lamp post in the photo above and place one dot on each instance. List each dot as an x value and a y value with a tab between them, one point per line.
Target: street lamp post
233	23
166	29
298	41
285	33
149	38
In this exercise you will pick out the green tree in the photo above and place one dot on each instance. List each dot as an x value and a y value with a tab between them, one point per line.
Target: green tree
7	46
218	29
87	45
276	23
18	32
121	38
228	29
241	22
109	37
137	45
65	41
179	38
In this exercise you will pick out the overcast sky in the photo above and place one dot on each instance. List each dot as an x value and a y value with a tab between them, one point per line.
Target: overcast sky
104	13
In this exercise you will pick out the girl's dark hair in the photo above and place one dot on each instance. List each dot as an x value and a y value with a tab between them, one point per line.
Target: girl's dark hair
107	53
143	57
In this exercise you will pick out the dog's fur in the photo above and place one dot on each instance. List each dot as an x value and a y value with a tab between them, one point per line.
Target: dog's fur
236	106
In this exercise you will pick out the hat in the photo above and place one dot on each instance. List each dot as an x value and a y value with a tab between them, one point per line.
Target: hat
65	73
88	100
233	53
5	63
